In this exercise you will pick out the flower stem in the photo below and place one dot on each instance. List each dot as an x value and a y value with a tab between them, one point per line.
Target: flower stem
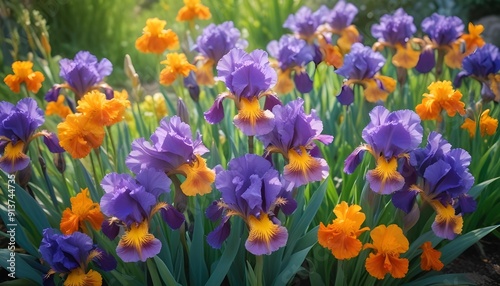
259	267
250	144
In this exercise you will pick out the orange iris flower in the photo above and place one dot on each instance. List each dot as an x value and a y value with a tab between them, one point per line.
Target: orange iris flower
58	107
487	124
193	9
155	39
341	236
441	96
388	243
430	257
82	209
176	64
23	72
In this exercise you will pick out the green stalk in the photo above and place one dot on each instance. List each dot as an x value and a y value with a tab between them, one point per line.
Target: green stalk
259	267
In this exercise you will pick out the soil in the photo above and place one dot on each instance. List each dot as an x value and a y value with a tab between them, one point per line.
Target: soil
482	260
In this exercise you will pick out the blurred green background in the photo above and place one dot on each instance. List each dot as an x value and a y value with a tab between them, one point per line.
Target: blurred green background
109	28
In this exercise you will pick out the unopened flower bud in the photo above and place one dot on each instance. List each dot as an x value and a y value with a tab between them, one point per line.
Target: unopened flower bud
182	111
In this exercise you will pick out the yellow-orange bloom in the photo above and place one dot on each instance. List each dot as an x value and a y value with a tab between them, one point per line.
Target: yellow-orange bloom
102	111
58	108
155	39
82	209
487	124
473	40
23	72
430	257
78	277
193	9
199	177
176	64
154	106
78	135
341	236
441	96
388	243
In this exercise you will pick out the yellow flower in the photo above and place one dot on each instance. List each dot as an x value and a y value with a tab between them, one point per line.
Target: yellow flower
430	257
176	64
487	124
341	236
193	9
405	57
23	72
78	135
198	177
78	277
82	209
441	96
155	39
154	106
473	40
58	107
388	243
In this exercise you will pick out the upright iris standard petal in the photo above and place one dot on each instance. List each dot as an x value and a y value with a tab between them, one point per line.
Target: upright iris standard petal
292	55
84	72
443	30
361	63
396	28
341	15
217	40
304	22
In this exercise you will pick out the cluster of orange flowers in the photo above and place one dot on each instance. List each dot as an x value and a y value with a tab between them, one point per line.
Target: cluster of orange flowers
83	131
341	237
156	39
442	97
23	73
83	210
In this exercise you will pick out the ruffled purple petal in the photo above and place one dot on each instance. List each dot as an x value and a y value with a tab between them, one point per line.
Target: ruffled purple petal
404	199
260	247
154	182
105	261
148	250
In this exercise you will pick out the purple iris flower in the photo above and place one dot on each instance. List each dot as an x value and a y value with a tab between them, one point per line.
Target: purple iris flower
361	63
18	125
443	180
247	77
389	137
65	253
305	22
132	202
293	136
81	74
251	189
293	54
361	66
173	145
397	28
481	64
341	15
217	40
443	30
